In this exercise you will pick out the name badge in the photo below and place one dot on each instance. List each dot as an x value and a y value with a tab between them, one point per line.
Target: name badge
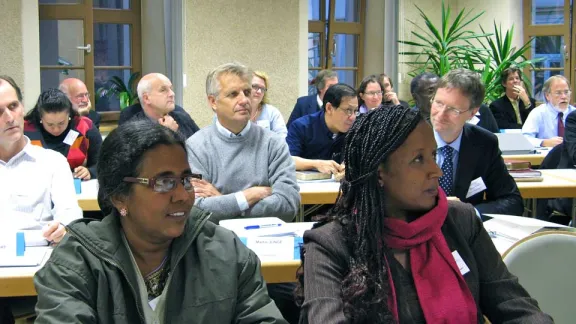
460	263
476	186
71	137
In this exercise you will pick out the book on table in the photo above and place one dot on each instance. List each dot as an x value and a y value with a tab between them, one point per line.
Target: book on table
522	171
312	175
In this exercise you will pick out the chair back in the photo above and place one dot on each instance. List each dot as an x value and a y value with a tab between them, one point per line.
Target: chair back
544	264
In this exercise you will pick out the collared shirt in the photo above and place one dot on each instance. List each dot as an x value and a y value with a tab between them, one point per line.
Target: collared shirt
363	109
240	198
309	137
516	108
36	187
455	145
320	103
542	123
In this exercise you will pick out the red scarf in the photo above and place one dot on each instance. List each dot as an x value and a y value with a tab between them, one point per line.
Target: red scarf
442	291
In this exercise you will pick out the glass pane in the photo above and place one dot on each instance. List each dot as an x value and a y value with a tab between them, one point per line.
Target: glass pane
311	75
347	76
313	9
548	12
314	50
347	10
58	42
539	78
346	54
112	4
112	45
60	1
101	78
52	78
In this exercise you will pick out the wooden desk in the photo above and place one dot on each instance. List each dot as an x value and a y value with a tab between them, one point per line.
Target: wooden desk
534	159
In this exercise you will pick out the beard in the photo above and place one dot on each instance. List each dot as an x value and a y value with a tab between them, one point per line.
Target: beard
84	111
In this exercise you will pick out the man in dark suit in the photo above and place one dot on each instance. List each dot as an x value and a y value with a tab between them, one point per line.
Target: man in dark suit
390	98
313	103
157	103
471	162
485	119
512	109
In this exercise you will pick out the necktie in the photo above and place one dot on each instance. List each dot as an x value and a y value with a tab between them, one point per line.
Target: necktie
447	169
560	124
516	106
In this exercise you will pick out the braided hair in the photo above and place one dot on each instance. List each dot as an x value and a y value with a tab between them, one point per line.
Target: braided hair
360	209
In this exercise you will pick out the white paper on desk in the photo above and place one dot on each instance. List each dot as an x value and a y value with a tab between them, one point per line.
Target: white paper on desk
33	257
287	229
7	244
272	248
34	238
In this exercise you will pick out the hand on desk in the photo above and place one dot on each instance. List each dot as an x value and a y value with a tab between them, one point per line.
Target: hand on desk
82	172
551	142
54	231
328	166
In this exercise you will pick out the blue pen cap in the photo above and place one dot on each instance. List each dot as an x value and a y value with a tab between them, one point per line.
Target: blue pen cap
20	244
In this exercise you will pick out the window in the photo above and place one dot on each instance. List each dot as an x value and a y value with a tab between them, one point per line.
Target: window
335	39
548	22
92	40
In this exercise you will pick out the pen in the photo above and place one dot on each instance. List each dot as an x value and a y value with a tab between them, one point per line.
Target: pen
261	226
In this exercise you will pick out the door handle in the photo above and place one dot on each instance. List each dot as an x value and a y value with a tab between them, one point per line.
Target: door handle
87	48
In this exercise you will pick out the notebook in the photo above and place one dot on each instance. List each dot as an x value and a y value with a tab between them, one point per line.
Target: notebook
514	144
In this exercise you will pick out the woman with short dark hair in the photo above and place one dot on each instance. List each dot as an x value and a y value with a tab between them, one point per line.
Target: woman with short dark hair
155	258
394	250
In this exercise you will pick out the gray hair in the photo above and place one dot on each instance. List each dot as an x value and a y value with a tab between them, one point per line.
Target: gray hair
468	82
548	83
144	86
64	88
322	76
213	86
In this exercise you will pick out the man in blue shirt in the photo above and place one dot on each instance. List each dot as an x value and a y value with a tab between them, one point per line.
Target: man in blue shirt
545	124
315	140
471	162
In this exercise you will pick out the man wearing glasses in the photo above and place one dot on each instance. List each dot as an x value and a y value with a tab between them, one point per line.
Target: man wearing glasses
545	123
247	171
78	94
315	140
471	162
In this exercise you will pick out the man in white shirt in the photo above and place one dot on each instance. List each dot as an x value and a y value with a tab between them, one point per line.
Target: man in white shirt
545	123
36	185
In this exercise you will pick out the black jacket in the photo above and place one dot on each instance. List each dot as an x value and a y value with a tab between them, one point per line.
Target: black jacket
505	115
480	157
304	106
487	120
186	125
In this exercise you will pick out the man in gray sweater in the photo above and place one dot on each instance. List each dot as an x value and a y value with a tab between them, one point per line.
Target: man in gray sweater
247	170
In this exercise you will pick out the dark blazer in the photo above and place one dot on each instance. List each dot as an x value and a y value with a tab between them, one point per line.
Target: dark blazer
567	159
487	120
304	106
497	293
480	157
186	125
95	118
505	115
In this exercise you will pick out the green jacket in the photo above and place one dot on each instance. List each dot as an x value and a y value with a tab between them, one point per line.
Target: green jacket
90	278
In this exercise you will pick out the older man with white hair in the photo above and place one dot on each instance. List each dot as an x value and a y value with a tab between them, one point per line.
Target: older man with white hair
156	102
76	91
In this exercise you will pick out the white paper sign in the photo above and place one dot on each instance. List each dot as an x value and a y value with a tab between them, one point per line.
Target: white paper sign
476	186
272	248
71	137
474	120
460	263
263	123
7	244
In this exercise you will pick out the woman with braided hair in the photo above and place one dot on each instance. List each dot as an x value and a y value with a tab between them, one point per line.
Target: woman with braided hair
394	250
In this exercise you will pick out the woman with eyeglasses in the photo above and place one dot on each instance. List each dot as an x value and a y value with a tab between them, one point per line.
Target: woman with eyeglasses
55	125
394	249
369	94
155	258
263	113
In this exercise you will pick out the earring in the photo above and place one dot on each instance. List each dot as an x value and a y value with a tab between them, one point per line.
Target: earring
123	212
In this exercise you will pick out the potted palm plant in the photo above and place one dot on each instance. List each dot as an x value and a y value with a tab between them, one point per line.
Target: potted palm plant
126	93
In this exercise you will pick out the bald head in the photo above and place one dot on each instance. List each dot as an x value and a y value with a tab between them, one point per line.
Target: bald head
78	94
156	95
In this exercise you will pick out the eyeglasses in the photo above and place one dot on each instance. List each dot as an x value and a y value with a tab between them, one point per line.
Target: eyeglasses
166	184
450	110
559	93
81	96
349	112
373	94
257	88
